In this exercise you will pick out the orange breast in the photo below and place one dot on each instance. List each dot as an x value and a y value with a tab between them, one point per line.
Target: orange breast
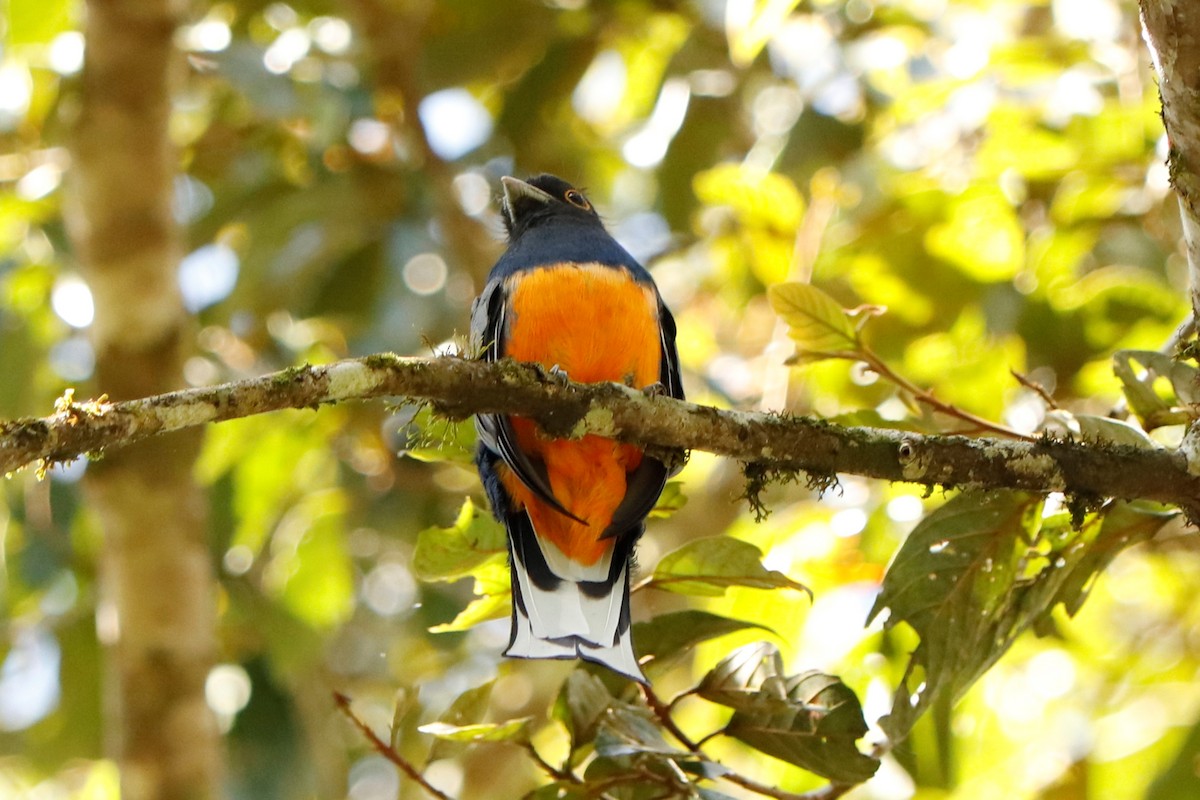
597	324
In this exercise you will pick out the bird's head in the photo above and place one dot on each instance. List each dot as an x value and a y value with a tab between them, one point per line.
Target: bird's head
541	199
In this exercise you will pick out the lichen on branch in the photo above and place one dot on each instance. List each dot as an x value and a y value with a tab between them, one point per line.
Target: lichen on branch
458	387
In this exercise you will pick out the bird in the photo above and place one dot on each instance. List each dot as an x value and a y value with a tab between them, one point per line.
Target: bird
565	295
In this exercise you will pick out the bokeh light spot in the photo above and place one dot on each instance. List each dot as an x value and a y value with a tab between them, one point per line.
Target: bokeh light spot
29	688
425	273
331	34
389	589
71	300
227	690
66	53
455	122
473	191
207	275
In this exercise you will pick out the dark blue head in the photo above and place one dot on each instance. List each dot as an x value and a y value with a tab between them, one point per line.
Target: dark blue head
544	199
550	222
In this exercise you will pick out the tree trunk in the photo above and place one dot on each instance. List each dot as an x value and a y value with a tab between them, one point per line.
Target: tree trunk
1172	29
156	612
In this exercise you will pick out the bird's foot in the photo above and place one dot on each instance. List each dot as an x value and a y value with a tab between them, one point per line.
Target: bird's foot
558	375
656	389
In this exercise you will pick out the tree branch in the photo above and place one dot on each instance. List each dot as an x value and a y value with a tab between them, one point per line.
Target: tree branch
459	387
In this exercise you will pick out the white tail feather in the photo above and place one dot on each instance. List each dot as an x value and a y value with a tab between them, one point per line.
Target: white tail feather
565	622
570	570
526	645
618	658
566	610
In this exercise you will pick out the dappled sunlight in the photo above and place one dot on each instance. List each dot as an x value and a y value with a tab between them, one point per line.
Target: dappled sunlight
969	207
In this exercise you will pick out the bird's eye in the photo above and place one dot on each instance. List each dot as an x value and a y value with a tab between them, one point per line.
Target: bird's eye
577	199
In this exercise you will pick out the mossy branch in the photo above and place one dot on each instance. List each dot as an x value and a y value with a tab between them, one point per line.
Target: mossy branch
459	387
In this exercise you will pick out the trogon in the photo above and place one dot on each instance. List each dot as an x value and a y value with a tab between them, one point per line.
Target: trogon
565	295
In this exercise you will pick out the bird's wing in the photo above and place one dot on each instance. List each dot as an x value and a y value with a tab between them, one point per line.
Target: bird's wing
646	483
670	376
488	330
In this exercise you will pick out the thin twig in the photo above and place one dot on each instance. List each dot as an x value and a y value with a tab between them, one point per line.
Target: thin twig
663	712
642	584
551	770
1035	387
924	396
828	792
677	699
386	750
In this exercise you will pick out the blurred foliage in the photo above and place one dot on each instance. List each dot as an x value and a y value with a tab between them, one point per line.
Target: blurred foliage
980	181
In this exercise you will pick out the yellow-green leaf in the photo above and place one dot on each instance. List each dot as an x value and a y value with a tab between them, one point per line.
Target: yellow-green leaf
709	566
982	237
493	595
665	636
481	609
671	500
310	569
820	327
435	439
447	554
758	199
513	730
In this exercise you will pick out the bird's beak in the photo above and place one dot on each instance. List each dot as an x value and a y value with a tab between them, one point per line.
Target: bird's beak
517	191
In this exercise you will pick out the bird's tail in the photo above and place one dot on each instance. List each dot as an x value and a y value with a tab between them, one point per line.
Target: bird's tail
563	617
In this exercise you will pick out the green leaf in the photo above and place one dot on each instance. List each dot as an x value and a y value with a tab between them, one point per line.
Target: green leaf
982	236
811	720
310	569
580	702
817	731
464	713
953	581
470	706
639	776
447	554
493	598
819	326
708	566
481	609
981	570
626	730
1154	384
737	681
513	730
436	439
668	635
1122	525
671	500
405	716
1104	429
